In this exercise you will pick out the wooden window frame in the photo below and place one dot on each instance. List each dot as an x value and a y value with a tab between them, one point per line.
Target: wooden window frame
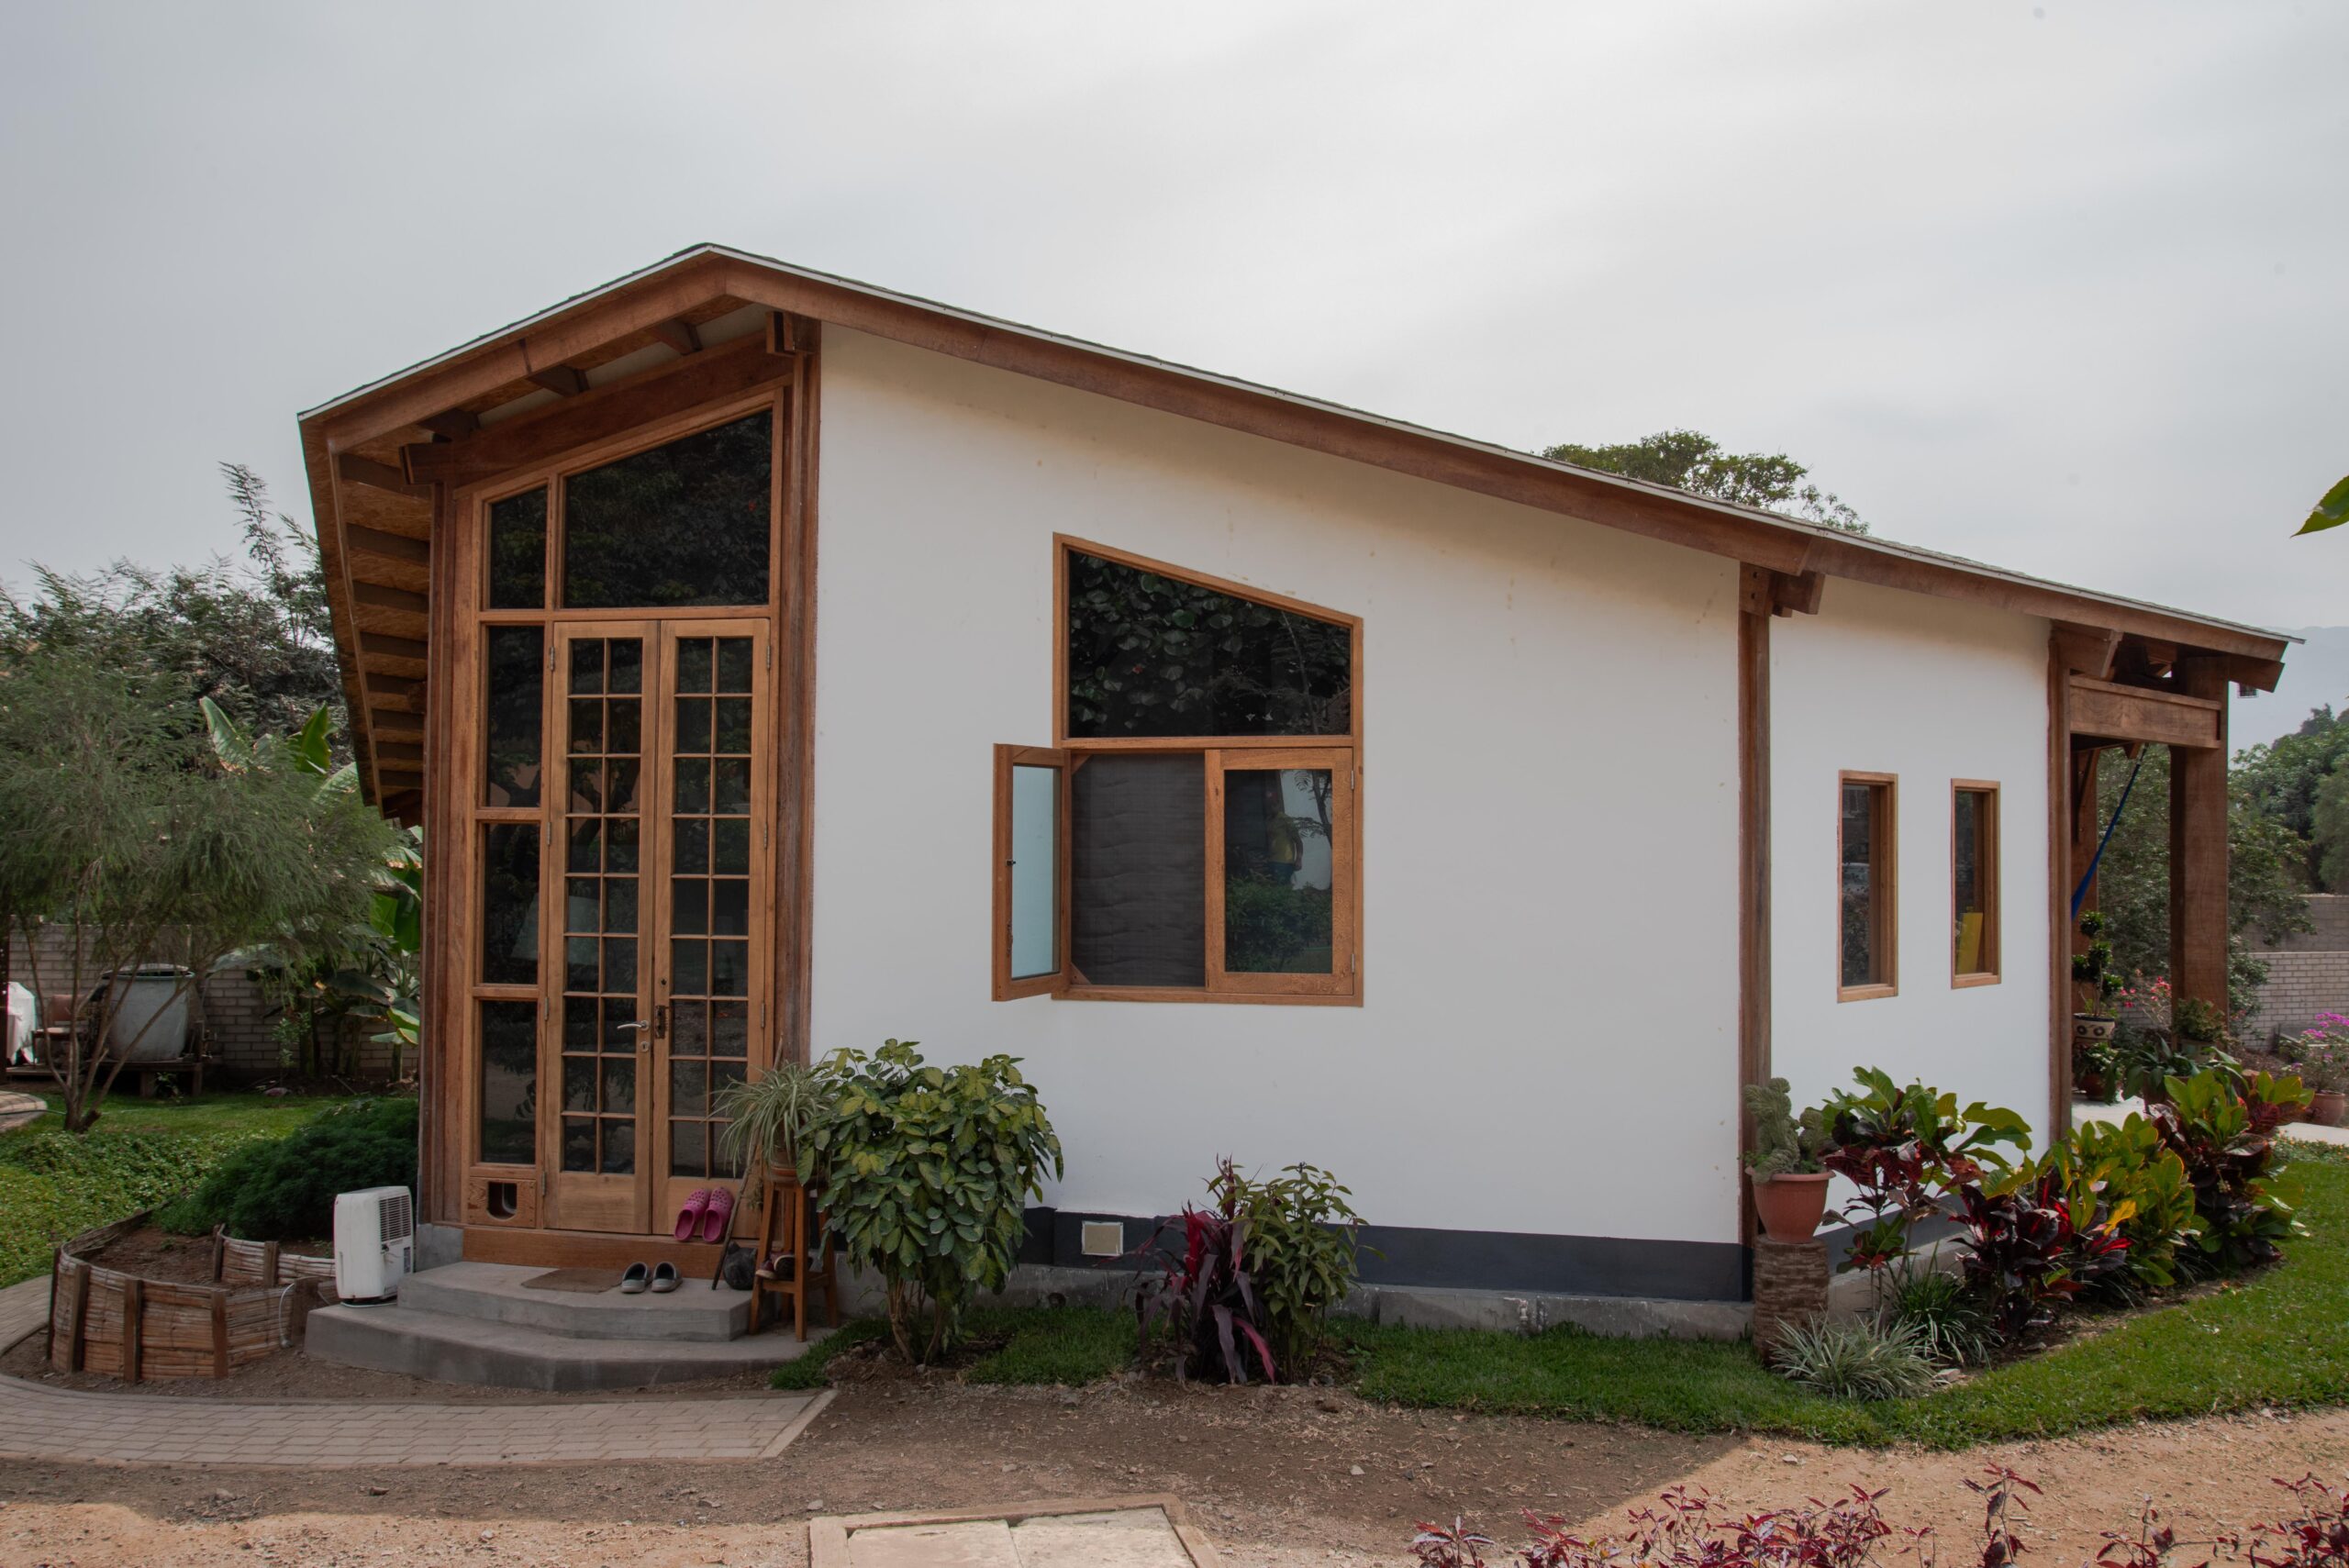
783	399
1986	853
1218	753
1883	888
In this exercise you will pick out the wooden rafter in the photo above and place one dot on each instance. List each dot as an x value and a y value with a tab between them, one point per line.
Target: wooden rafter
384	596
452	424
390	647
389	546
561	380
679	334
353	469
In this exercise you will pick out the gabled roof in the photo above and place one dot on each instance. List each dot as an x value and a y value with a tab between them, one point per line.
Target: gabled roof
353	447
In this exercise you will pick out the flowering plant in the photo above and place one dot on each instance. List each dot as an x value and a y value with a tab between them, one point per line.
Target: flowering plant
2321	1053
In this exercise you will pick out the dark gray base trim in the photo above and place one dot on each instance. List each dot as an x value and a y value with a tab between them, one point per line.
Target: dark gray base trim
1458	1260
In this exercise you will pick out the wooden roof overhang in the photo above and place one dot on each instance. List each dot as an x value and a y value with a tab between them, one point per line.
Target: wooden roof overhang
381	459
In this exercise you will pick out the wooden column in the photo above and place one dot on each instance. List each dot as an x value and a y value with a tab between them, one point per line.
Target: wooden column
2088	825
1752	861
2197	849
2060	819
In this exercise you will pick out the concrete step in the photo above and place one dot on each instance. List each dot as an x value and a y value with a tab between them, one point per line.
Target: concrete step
495	1292
450	1348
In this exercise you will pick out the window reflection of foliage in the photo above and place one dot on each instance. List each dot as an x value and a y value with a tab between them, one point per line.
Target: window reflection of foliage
1270	927
1150	655
687	523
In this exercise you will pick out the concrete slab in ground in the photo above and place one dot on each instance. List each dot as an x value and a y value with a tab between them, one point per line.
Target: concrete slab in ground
1112	1532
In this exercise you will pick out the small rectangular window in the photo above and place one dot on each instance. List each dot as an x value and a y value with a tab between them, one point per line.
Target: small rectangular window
509	1084
1973	883
513	704
1279	893
1138	890
1867	899
517	551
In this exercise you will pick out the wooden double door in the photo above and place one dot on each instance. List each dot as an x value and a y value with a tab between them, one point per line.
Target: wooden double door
659	942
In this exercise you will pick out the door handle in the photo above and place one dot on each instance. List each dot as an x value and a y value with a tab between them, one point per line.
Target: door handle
643	1030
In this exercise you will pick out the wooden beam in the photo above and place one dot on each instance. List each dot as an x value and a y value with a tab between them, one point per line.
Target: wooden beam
1797	594
679	335
2059	890
388	546
1753	859
2132	713
2087	649
398	751
393	720
389	780
561	380
2254	675
2197	850
607	411
452	424
384	596
353	469
384	685
789	334
390	647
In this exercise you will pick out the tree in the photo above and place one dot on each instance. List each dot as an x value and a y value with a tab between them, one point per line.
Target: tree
2283	777
119	830
2331	828
1694	461
258	640
2132	880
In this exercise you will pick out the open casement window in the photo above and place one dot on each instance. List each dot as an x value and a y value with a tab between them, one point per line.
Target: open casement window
1973	883
1867	896
1031	871
1193	836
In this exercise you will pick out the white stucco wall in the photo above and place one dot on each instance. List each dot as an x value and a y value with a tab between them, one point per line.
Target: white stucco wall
1881	681
1548	1039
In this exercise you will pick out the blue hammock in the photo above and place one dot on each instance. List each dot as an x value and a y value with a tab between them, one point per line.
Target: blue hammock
2081	892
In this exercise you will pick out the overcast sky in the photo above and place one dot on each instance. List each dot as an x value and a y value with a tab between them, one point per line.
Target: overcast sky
2062	287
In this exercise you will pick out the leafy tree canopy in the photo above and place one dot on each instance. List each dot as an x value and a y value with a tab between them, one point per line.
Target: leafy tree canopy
2284	779
254	638
1694	461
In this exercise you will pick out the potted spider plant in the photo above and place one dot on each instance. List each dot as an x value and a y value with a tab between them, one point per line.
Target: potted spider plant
766	1118
1786	1163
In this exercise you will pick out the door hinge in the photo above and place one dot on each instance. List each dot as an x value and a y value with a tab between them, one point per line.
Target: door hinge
763	1015
1356	959
542	1181
764	840
769	655
550	660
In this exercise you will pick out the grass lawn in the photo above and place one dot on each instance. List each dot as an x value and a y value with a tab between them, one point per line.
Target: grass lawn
2274	1338
140	1154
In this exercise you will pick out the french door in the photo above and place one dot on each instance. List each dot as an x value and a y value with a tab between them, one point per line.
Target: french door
661	962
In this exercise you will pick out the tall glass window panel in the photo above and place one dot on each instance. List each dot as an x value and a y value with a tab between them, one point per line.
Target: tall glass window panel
1152	655
1974	881
1035	872
517	551
1278	876
601	1024
1865	832
515	687
509	923
685	523
710	893
509	1083
1138	870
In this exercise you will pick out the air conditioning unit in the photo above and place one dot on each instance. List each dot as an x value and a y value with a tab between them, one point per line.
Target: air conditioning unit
374	1243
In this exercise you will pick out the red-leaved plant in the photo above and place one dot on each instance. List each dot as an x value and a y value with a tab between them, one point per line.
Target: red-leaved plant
1205	1297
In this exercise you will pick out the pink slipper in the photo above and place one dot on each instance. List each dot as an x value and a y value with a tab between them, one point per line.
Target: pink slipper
689	1216
714	1218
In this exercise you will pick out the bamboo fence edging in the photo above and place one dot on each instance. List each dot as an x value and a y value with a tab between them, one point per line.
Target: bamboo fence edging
122	1324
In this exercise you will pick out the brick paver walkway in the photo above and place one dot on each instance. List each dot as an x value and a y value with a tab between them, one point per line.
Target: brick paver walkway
135	1429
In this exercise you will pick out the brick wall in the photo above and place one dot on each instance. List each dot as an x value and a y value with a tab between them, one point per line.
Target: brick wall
240	1022
2307	973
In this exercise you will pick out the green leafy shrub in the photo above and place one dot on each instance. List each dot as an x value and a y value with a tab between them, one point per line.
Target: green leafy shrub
1856	1358
1907	1149
927	1172
1784	1143
2229	1162
2144	1182
1945	1312
56	1184
1301	1242
283	1190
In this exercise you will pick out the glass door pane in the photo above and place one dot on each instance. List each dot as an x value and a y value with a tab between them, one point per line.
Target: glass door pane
604	1036
716	831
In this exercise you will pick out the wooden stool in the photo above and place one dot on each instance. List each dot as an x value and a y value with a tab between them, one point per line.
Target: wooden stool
783	1225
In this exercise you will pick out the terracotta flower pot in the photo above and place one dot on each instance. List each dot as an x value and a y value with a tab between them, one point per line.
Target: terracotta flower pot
2088	1029
1790	1206
2331	1107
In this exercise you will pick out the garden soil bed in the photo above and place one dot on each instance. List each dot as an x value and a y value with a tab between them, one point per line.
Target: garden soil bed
1270	1474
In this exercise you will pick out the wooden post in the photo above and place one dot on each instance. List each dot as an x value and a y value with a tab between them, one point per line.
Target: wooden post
134	1309
219	1333
77	1310
1753	863
269	1264
2198	849
2060	819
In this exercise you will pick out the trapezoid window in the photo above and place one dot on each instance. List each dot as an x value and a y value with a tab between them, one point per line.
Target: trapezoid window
685	523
